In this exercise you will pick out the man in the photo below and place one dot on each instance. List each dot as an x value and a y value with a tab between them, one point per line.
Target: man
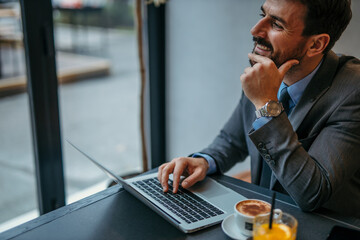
308	146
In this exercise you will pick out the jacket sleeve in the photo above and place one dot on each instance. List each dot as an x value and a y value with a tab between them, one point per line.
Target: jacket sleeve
230	147
312	176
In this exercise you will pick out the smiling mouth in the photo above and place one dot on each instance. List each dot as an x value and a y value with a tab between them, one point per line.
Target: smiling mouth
262	47
262	50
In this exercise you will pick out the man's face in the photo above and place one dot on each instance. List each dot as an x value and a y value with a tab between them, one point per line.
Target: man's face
278	34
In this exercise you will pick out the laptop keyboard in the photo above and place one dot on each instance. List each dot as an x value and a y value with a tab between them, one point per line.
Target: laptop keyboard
184	203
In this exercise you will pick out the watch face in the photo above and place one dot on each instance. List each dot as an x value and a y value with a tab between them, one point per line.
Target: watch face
273	108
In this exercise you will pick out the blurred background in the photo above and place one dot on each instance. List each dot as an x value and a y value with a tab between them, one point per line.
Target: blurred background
99	89
99	85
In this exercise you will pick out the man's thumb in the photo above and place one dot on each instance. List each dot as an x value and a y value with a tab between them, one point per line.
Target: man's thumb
287	65
192	179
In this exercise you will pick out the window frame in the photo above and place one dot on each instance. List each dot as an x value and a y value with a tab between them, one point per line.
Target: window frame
42	88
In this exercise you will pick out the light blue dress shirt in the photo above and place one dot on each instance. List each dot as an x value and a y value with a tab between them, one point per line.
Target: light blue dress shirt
295	91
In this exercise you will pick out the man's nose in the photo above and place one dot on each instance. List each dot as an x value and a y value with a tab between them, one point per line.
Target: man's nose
260	29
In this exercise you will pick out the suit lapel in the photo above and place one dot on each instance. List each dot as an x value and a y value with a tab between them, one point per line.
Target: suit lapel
320	83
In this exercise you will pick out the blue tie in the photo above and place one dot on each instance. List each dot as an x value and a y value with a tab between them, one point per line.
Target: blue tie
285	99
265	175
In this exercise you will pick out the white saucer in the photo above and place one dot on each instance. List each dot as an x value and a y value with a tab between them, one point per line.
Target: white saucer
231	230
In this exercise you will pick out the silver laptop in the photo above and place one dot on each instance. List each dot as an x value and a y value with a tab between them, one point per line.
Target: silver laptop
203	205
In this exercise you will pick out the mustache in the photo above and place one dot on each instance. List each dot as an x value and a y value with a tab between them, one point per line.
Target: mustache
262	41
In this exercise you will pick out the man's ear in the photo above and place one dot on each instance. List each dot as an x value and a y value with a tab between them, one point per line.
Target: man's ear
318	44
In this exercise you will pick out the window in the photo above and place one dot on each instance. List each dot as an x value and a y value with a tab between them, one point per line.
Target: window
17	177
99	94
99	98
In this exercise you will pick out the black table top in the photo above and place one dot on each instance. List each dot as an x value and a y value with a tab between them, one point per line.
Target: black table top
115	214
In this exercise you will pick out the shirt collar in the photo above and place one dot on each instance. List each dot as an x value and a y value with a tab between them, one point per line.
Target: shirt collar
296	90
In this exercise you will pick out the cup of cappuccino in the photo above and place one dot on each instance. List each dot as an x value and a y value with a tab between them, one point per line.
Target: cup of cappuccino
245	212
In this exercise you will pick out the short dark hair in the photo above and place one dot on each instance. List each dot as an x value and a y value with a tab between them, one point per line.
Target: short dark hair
327	16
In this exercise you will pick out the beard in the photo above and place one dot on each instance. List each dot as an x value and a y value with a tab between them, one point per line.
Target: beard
280	58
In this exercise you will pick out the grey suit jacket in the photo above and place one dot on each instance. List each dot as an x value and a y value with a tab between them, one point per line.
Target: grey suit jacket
315	152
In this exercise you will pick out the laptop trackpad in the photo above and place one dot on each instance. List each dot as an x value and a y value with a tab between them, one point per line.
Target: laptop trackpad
209	188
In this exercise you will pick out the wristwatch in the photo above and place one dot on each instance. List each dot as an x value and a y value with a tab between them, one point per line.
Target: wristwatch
270	109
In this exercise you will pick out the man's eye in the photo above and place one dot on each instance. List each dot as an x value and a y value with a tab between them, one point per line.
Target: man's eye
277	25
262	15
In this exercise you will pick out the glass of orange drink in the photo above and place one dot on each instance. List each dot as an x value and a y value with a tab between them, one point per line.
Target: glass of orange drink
284	227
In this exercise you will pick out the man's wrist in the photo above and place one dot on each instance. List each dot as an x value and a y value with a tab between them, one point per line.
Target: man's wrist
261	103
211	162
270	109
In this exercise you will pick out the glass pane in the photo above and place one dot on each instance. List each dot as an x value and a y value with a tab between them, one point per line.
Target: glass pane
18	198
99	92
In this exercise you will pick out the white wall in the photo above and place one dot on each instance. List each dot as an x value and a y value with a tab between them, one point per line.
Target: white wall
207	45
349	41
207	42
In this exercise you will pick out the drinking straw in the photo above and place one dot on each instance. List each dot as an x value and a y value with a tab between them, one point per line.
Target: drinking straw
272	209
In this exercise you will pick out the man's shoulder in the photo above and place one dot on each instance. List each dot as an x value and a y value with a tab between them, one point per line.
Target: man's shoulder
349	63
347	77
348	69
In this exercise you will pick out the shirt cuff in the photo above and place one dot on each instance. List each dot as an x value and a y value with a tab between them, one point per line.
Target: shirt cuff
258	123
212	165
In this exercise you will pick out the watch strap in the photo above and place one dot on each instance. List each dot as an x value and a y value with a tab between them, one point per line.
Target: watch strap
262	112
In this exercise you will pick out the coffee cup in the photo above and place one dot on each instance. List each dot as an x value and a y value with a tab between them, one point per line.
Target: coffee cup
245	212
